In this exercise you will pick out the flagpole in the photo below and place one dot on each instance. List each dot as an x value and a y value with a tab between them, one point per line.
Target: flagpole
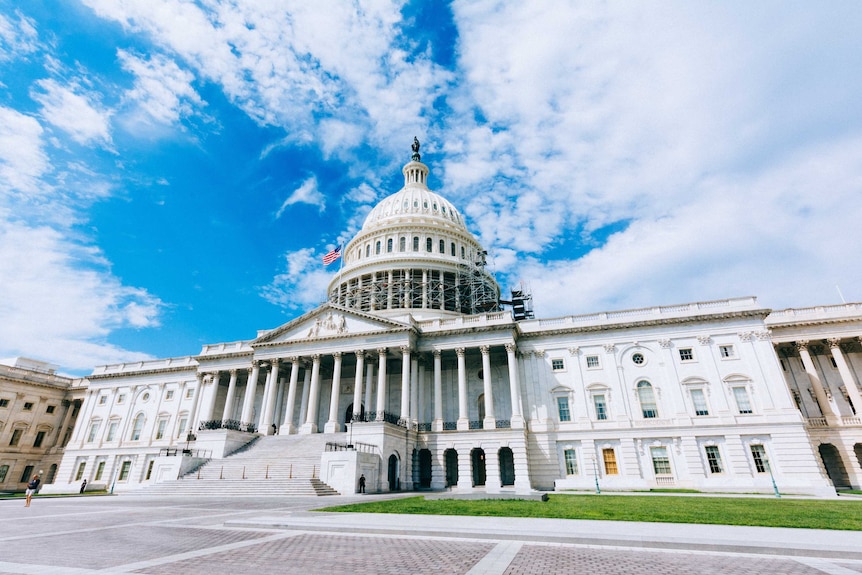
340	267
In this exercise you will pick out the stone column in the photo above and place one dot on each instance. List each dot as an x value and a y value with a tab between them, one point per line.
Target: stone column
517	417
846	375
269	399
250	391
357	383
416	378
279	402
310	425
490	421
287	426
463	412
381	383
332	424
369	384
816	385
303	402
405	383
210	406
193	413
227	412
437	424
424	289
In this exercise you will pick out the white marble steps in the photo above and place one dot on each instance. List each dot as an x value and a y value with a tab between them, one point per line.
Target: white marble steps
273	465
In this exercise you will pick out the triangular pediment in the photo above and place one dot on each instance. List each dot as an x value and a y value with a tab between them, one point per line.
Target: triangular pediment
326	322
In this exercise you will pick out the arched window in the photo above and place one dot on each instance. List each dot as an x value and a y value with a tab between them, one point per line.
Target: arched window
389	245
463	254
377	248
368	250
137	427
429	244
402	244
452	245
646	396
442	246
415	243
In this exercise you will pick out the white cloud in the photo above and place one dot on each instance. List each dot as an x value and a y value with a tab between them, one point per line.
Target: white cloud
22	158
18	36
307	193
162	91
302	285
75	111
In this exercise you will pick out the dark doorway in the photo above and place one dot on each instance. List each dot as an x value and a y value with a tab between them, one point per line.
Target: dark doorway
477	456
52	471
507	466
348	415
834	466
394	483
857	449
451	457
424	468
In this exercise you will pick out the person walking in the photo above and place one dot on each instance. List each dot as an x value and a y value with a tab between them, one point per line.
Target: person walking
31	489
362	483
83	486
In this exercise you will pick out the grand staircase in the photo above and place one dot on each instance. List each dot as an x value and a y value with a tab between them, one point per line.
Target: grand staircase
271	465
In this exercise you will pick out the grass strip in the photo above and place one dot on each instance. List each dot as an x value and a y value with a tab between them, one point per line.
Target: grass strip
801	513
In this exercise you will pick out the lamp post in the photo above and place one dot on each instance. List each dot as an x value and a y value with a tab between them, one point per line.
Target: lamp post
772	477
596	475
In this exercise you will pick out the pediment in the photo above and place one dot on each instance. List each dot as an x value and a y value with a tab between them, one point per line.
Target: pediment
326	322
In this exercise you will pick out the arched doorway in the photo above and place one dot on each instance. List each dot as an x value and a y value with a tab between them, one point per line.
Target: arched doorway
507	466
857	449
348	414
451	458
477	456
394	481
834	466
424	468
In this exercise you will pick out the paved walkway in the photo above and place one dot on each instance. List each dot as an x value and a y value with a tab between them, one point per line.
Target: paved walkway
130	534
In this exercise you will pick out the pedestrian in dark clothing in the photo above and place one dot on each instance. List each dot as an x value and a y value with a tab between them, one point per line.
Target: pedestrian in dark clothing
83	486
31	489
362	483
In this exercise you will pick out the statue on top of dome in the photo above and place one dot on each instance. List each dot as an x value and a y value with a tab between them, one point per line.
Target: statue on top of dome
415	157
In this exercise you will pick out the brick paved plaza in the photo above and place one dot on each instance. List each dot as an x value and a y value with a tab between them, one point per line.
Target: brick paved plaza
131	534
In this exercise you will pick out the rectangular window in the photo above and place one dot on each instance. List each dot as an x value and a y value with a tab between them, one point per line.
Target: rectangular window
80	473
149	469
40	437
112	431
94	429
50	409
609	458
103	399
100	469
558	364
713	458
571	462
190	393
743	404
686	354
600	405
169	395
758	454
16	436
4	469
124	470
160	432
726	351
121	398
27	475
182	426
28	406
698	399
4	403
660	460
563	408
593	362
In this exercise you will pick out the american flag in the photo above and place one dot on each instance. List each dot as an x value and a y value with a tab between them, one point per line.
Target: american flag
332	256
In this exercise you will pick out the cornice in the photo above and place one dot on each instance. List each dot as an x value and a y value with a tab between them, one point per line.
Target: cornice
121	374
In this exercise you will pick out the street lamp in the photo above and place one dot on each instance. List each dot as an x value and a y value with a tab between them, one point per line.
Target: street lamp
596	475
772	477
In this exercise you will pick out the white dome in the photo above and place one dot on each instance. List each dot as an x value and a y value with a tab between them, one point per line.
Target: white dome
414	202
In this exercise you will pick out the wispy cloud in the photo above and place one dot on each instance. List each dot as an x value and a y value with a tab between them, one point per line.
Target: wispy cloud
75	111
307	193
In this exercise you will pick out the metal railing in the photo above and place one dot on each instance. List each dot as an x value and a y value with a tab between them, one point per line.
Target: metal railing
174	451
361	447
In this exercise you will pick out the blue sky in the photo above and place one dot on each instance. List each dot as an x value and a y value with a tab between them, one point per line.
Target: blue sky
171	172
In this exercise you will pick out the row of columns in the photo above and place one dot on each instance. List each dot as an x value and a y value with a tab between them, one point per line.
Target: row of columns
827	407
412	378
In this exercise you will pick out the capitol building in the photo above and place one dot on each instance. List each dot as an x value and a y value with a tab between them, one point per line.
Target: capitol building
419	373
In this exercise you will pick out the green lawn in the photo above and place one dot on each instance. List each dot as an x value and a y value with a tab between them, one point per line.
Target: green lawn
767	512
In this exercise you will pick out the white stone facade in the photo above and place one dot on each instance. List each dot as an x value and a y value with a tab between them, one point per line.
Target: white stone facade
413	358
